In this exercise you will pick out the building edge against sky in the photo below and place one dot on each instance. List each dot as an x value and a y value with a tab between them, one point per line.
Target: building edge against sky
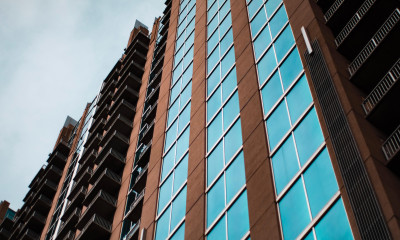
234	119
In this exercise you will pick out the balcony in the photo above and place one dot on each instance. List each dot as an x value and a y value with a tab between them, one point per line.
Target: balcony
126	93
62	147
141	37
131	80
133	232
150	114
4	234
142	155
391	149
108	181
105	100
112	160
108	86
113	74
379	104
57	159
96	228
138	46
101	112
123	108
158	60
135	210
36	180
28	234
80	181
133	67
152	95
35	221
364	71
93	142
325	4
98	128
42	204
70	235
87	156
75	202
103	204
52	173
140	179
47	188
363	25
340	13
146	133
115	140
136	56
119	123
155	80
69	224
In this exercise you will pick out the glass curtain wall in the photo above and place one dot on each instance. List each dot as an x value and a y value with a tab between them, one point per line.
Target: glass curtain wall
172	195
307	193
226	209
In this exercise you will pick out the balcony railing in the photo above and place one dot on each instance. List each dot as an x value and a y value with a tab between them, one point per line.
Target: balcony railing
133	231
382	88
392	145
96	228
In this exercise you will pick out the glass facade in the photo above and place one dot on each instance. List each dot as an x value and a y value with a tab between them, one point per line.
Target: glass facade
172	195
226	207
307	192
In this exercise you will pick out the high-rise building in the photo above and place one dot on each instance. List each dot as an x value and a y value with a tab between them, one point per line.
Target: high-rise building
236	119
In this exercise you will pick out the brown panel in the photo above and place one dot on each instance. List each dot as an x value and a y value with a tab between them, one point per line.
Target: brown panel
194	223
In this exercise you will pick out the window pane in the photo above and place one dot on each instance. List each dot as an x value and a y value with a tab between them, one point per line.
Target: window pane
266	65
225	24
190	39
229	84
271	92
285	165
182	144
180	234
277	125
308	136
238	218
284	42
278	21
163	225
215	200
214	104
299	99
227	61
168	162
180	174
190	26
231	110
184	118
294	211
188	57
254	6
259	20
224	10
215	163
261	42
213	81
173	112
212	25
176	89
185	96
320	182
291	68
187	75
165	193
178	209
226	42
335	224
212	60
271	6
213	9
212	42
219	231
171	135
310	236
214	131
235	177
233	140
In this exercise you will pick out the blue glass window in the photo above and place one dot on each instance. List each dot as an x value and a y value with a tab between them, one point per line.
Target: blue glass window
284	42
271	92
278	21
266	65
238	218
219	231
262	42
298	99
214	131
215	163
278	125
229	84
231	110
259	20
235	177
233	140
291	68
178	209
215	200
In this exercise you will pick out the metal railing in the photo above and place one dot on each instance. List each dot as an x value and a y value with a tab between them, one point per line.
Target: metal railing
382	88
392	145
374	42
335	6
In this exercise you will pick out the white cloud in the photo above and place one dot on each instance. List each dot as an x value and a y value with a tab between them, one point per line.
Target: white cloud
53	57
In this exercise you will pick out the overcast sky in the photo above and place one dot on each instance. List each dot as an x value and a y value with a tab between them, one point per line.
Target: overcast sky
54	55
